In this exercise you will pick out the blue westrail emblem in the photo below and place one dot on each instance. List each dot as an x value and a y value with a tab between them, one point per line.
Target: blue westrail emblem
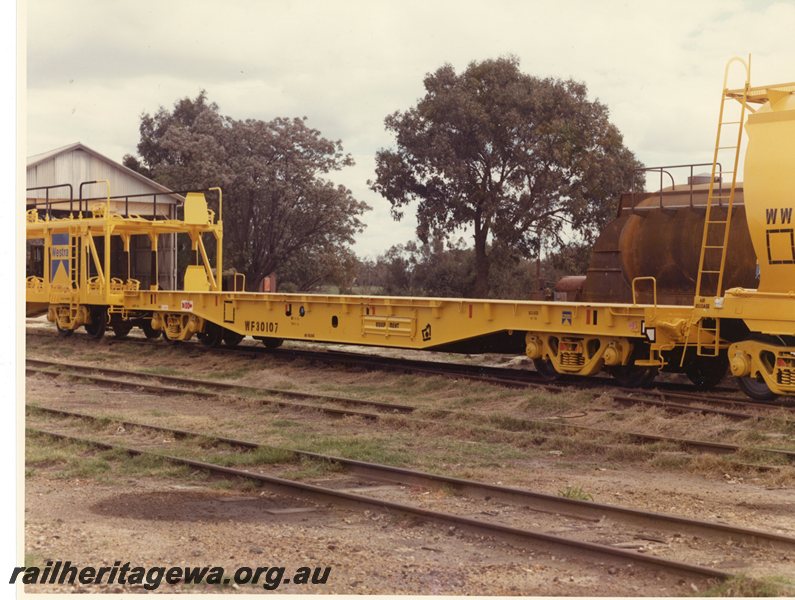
59	254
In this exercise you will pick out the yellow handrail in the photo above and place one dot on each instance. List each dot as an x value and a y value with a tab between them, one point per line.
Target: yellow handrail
220	203
654	288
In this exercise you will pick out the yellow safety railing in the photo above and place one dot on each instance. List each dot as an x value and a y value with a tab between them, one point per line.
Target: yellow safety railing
653	287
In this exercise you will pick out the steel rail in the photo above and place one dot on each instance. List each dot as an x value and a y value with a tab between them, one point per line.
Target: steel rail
158	389
727	401
504	376
536	426
683	408
527	498
525	537
499	376
221	385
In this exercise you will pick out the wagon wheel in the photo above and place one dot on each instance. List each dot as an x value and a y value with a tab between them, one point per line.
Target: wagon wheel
212	335
546	369
99	322
756	388
272	343
149	331
121	329
632	376
231	338
706	373
63	332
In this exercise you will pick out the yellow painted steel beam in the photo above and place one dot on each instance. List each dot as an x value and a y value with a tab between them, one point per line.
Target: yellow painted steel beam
418	323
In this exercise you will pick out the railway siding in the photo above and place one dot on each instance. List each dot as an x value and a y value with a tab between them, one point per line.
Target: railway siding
164	408
517	425
558	505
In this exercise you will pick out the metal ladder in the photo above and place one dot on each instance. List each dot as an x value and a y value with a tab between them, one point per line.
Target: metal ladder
715	239
74	276
74	258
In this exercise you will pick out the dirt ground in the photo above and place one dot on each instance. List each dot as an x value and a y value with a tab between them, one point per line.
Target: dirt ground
93	511
162	521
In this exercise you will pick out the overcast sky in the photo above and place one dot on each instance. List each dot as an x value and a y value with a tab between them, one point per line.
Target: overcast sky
94	66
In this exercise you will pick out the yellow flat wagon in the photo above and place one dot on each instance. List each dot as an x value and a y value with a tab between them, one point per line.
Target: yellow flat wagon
752	331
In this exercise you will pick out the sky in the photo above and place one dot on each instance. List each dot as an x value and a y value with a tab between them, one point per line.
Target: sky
94	66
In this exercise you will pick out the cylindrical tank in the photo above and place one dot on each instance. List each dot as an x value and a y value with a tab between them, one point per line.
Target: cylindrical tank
569	288
666	243
770	180
659	234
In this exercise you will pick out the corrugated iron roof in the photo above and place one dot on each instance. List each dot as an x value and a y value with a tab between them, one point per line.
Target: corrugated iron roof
37	159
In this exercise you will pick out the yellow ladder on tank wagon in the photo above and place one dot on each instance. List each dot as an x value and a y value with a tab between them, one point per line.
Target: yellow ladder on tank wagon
715	239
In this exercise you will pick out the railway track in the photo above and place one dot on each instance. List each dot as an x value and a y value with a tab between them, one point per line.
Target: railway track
218	386
668	392
657	401
696	405
495	375
538	540
413	415
526	498
512	535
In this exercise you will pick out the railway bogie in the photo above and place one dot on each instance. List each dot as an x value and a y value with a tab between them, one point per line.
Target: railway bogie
749	331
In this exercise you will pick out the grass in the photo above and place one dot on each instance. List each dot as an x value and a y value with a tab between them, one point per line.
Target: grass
402	445
358	448
497	450
154	466
42	452
381	392
511	423
312	469
756	455
94	356
468	399
575	493
238	484
85	468
257	456
742	586
228	373
412	385
547	402
161	371
68	460
589	445
667	460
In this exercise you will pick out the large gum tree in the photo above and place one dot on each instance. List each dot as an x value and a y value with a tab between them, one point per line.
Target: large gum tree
513	158
281	211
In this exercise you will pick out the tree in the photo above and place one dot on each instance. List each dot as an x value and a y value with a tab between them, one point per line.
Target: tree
518	159
318	267
279	209
428	269
443	270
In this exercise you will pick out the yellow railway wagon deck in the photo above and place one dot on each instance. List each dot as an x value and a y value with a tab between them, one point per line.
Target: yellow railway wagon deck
76	289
